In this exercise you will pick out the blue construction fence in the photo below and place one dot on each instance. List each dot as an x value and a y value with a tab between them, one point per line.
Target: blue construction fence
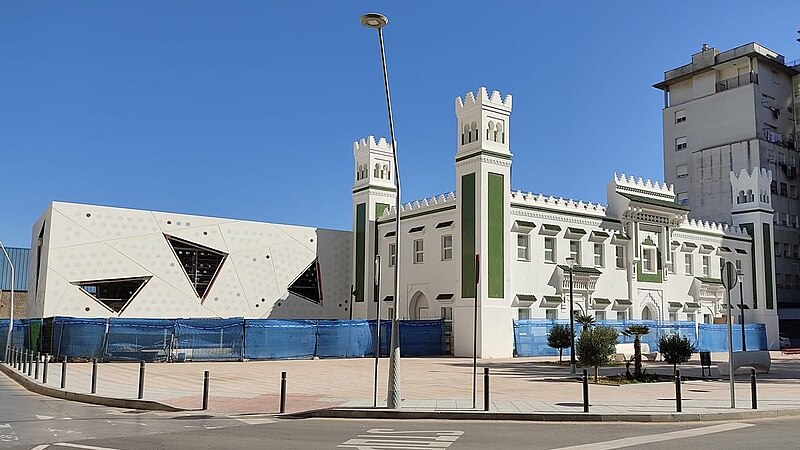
123	339
530	335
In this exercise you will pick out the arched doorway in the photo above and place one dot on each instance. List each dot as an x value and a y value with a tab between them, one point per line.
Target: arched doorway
648	313
418	307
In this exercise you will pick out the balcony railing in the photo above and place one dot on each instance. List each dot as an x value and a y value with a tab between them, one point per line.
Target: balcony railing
734	82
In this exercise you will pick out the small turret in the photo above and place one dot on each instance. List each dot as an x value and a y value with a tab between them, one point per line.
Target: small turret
483	121
373	163
751	189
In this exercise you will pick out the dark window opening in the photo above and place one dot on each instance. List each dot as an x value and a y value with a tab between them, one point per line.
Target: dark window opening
39	243
201	264
113	294
309	284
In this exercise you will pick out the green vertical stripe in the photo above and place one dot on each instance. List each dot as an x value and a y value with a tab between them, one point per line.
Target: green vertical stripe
749	228
379	209
496	277
467	235
361	243
768	264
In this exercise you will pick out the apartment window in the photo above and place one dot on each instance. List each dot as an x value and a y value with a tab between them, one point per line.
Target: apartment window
550	249
682	171
551	314
598	254
523	253
619	256
419	257
575	251
777	250
680	143
682	198
706	265
672	263
523	313
738	264
599	315
786	250
648	255
392	254
673	317
792	191
622	315
784	218
784	189
687	264
680	116
447	247
795	251
788	278
773	187
690	317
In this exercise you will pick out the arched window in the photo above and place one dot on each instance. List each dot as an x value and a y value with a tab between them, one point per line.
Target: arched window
385	172
499	136
474	132
377	171
750	196
490	131
466	136
358	173
740	197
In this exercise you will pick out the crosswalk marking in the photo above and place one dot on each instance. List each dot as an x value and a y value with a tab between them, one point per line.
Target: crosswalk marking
648	439
389	438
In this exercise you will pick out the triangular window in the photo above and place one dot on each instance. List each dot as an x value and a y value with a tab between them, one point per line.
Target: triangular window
114	294
309	284
200	263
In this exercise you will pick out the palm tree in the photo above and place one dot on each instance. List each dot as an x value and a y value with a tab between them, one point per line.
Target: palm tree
585	320
636	331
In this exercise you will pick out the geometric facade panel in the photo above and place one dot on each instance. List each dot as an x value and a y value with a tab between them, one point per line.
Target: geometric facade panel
114	294
200	263
309	284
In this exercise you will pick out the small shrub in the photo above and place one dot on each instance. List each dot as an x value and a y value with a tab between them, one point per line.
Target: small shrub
559	337
676	349
585	320
595	347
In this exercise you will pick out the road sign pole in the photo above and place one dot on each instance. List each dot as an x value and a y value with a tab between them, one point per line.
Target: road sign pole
729	280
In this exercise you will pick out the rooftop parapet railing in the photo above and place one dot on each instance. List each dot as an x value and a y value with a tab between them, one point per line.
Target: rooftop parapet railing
734	82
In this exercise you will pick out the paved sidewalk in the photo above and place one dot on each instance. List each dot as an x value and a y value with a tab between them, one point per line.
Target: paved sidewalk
519	385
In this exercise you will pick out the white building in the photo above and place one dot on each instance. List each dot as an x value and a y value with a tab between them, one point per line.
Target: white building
639	257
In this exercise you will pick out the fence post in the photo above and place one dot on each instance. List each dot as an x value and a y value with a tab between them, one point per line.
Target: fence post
44	369
753	392
206	382
485	388
283	393
585	390
64	373
678	399
94	376
36	366
141	380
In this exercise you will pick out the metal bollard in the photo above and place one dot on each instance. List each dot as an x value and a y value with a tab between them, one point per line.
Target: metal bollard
44	369
485	388
64	373
30	363
141	380
14	358
678	399
24	361
36	367
283	393
585	390
94	376
206	382
753	392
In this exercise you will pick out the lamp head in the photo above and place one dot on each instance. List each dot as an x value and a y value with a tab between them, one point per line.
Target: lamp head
739	275
570	262
374	20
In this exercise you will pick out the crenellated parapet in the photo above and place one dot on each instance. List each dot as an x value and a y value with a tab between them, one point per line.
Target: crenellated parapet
483	98
567	205
712	228
369	144
437	201
647	187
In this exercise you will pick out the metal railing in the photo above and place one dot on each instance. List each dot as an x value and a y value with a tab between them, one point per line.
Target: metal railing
734	82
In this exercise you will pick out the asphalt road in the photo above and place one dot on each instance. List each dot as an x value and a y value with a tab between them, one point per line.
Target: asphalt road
36	422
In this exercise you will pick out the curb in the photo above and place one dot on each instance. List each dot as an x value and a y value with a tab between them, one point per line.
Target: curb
343	413
128	403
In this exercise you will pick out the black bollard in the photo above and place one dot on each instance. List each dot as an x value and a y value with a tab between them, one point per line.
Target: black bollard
44	369
283	393
64	373
30	363
753	392
14	358
24	361
206	382
585	390
485	388
94	376
678	400
36	366
141	380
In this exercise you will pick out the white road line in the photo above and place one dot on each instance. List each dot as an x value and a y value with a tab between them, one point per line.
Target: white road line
648	439
7	434
85	447
388	438
41	447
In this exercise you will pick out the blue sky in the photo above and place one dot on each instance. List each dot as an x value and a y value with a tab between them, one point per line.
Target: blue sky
249	109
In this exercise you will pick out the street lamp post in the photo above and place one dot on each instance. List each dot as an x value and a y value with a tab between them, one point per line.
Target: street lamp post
11	313
572	364
740	276
377	22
